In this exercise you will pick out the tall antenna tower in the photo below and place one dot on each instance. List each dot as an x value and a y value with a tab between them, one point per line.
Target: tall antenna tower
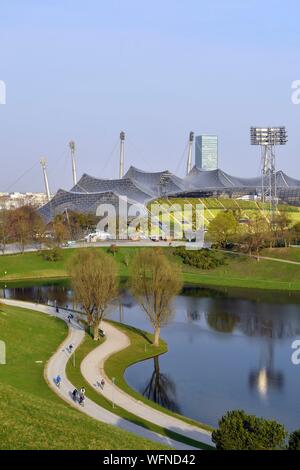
268	138
46	182
122	140
190	154
74	169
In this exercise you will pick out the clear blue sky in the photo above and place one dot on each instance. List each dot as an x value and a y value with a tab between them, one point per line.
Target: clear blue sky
86	69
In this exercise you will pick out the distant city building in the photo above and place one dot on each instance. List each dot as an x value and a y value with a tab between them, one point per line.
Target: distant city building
16	200
206	152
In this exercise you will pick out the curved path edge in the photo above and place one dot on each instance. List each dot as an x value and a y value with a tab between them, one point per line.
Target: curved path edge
92	369
56	365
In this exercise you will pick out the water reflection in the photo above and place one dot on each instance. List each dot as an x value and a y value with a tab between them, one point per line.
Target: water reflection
222	321
266	377
161	389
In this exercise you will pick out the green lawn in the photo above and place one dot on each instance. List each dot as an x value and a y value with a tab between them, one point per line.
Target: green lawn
246	272
240	271
291	254
31	415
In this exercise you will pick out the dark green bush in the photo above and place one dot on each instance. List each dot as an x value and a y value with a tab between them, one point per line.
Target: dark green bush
203	259
294	440
240	431
55	254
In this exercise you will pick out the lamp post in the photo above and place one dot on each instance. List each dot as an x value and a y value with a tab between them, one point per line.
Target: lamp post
113	394
4	291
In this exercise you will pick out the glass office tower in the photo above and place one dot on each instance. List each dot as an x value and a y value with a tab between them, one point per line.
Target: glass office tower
206	152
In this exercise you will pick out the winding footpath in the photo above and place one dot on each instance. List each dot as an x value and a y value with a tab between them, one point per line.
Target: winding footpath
92	369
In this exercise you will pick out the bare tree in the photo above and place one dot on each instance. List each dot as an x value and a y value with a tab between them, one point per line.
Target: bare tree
94	281
4	229
25	226
61	232
155	281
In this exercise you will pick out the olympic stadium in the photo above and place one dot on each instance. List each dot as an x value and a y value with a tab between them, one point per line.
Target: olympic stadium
142	187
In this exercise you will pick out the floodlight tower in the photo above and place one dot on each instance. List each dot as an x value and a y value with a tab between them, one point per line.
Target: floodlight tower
268	138
46	182
190	154
122	140
74	169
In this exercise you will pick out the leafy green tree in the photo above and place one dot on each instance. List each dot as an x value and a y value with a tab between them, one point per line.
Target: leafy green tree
240	431
256	236
295	232
223	228
280	229
294	440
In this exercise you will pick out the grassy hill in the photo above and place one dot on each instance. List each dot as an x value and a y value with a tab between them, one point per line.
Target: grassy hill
239	271
290	254
31	415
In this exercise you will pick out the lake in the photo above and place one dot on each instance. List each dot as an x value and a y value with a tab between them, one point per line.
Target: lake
228	349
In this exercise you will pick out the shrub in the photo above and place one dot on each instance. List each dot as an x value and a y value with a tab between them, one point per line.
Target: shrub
112	249
239	431
294	440
203	259
55	254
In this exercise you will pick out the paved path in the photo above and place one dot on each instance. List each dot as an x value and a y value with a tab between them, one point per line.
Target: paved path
92	368
57	366
268	258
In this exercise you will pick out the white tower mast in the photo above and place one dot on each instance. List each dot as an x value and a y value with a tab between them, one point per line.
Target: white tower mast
44	167
74	170
190	154
122	140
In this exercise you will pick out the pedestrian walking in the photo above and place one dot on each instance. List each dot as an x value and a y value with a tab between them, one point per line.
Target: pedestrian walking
82	396
57	380
74	394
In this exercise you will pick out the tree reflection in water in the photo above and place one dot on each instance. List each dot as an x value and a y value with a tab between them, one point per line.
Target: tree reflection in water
161	389
223	322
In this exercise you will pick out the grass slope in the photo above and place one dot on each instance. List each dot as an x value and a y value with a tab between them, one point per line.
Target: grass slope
290	254
31	415
240	271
